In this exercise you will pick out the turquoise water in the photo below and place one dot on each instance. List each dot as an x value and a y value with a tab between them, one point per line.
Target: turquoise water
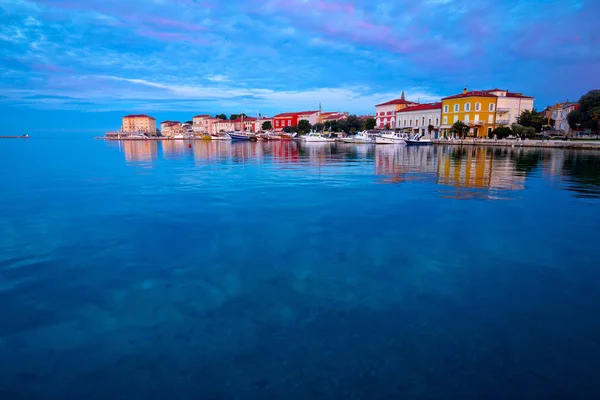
141	270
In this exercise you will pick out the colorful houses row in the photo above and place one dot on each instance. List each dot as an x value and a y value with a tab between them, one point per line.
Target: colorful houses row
207	125
481	110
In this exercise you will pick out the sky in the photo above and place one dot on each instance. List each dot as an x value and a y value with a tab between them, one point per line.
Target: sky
76	65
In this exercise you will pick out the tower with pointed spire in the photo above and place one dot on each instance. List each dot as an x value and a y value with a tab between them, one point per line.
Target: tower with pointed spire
402	98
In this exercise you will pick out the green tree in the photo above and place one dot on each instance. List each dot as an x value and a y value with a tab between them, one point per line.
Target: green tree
221	116
370	123
267	126
290	129
430	129
589	101
594	114
304	126
502	132
352	124
576	119
459	128
532	119
319	127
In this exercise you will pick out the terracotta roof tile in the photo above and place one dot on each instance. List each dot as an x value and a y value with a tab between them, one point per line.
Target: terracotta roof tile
422	107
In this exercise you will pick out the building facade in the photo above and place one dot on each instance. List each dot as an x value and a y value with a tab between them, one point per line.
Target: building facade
477	109
510	105
385	113
257	125
560	115
246	124
200	124
417	119
222	125
139	123
171	128
290	119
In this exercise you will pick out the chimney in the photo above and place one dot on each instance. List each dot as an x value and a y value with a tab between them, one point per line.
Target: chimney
402	98
465	91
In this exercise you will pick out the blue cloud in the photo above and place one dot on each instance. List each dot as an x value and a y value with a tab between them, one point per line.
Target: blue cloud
276	55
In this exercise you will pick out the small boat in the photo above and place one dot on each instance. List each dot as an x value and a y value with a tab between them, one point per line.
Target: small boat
390	138
240	135
220	136
314	137
418	140
363	138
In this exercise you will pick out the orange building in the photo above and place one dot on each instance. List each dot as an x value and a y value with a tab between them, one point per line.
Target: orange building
139	123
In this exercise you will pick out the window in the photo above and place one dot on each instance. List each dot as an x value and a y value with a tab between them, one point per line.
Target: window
476	117
289	122
456	107
491	119
468	107
492	106
477	106
467	118
389	113
429	121
410	123
445	109
455	118
445	120
423	121
437	121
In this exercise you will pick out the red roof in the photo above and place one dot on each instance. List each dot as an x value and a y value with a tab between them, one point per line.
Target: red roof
509	94
202	116
138	116
245	119
421	107
397	101
293	114
472	93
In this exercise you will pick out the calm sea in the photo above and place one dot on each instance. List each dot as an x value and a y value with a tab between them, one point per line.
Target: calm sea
140	270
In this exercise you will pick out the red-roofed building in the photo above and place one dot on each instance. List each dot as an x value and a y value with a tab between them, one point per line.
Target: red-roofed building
417	119
510	105
332	116
201	124
247	122
385	113
139	123
290	119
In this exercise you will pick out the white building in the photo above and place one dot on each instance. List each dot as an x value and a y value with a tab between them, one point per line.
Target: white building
418	118
561	114
310	116
510	105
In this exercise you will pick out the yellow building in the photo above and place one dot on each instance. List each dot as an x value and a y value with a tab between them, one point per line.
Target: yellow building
477	109
139	123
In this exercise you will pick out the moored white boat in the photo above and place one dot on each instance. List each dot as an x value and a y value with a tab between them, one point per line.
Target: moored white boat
390	138
418	140
219	136
363	138
314	137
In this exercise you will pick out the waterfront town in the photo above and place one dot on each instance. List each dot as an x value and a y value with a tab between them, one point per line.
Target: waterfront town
493	113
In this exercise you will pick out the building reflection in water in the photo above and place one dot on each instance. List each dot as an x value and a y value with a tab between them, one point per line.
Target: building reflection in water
468	171
174	149
139	151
